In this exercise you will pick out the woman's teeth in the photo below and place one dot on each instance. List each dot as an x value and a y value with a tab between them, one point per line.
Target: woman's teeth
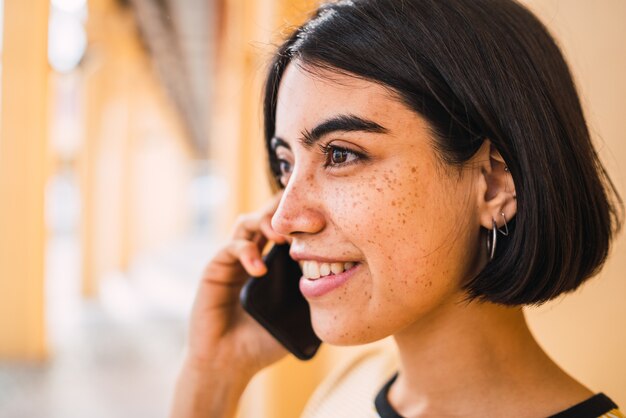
315	270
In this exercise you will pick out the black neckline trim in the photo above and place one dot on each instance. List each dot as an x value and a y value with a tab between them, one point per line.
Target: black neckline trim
593	407
383	407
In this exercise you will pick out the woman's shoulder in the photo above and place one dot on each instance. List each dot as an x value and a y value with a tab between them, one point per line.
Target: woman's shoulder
352	386
350	389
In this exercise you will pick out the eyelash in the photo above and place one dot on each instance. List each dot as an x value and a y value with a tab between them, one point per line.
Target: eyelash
328	149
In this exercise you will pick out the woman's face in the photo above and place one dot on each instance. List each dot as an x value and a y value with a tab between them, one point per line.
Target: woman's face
364	185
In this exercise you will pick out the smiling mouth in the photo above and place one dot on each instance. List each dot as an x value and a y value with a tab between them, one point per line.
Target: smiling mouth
315	270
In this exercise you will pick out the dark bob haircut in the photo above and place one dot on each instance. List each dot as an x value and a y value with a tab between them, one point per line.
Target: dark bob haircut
476	70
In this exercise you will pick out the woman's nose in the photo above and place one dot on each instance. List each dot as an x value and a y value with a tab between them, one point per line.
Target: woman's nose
298	211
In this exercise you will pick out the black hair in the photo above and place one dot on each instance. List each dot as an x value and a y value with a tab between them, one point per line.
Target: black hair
477	69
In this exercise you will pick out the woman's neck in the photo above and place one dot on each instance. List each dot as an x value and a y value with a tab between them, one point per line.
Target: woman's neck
478	359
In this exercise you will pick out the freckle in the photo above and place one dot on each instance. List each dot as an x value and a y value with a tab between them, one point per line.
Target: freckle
413	169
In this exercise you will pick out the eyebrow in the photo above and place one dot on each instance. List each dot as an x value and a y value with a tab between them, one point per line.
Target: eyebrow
340	123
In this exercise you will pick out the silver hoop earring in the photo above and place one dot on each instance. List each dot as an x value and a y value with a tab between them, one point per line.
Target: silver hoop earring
506	227
491	241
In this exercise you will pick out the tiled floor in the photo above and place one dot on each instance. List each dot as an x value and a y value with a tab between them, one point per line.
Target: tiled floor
115	357
112	370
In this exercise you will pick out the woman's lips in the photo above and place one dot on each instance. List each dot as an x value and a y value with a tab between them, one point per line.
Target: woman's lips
312	288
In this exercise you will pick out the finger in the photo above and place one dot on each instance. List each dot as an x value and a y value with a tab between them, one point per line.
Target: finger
249	225
258	230
228	262
246	226
265	225
249	255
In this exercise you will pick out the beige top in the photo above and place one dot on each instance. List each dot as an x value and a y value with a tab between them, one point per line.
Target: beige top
350	389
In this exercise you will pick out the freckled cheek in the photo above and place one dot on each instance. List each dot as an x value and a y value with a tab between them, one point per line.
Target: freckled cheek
360	210
382	211
411	210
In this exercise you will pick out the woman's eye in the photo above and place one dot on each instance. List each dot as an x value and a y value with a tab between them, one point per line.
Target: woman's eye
284	167
336	156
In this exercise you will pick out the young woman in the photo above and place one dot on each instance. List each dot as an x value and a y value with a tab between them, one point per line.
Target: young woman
437	175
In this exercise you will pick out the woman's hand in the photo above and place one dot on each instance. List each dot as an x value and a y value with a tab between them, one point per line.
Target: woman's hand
226	346
220	329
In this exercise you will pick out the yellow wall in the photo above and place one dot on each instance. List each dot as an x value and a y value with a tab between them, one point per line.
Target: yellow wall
586	332
23	163
132	141
129	139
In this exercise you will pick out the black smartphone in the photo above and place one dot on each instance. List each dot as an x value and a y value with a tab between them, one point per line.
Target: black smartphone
275	301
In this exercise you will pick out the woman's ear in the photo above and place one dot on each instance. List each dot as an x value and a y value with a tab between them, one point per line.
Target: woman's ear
496	189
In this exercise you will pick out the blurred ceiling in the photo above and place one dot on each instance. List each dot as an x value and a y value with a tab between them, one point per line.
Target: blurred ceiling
178	35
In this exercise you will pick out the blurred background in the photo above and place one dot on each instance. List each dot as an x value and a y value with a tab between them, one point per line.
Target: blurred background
130	138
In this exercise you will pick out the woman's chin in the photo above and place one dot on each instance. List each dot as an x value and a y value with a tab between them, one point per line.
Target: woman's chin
344	340
342	333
